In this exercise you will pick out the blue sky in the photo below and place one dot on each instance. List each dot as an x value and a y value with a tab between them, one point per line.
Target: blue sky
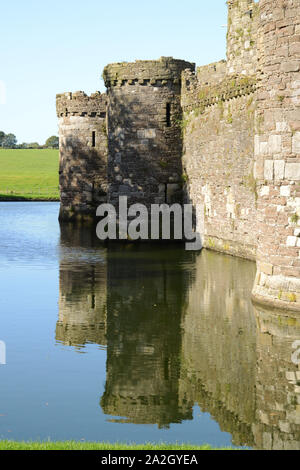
48	47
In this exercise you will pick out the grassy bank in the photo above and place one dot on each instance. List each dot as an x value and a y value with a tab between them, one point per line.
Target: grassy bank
73	445
28	174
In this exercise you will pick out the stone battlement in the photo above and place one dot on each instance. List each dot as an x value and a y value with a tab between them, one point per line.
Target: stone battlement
212	73
198	96
79	103
145	71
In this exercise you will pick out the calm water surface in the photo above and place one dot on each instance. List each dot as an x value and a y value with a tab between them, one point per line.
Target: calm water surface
137	343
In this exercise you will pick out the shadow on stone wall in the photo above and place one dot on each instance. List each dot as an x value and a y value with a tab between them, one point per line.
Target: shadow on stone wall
82	179
144	168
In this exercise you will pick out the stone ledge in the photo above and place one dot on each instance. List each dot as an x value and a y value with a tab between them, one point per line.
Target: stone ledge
229	247
273	303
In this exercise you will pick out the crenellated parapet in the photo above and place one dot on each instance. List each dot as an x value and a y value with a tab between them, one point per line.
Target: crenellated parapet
80	104
196	94
212	73
146	72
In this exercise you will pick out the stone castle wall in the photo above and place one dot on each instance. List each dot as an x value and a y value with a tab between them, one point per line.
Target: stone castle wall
219	103
277	153
228	134
218	159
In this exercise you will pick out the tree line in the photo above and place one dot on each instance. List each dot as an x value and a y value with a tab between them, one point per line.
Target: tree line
9	141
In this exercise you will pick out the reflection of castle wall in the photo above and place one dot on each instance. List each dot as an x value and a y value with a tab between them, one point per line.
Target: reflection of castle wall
219	343
82	292
277	382
82	311
145	303
180	330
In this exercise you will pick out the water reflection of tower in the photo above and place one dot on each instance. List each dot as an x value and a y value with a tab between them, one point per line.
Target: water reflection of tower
146	295
82	288
277	424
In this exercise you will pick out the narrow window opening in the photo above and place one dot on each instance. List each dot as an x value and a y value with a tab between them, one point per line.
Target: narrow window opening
166	368
93	139
168	114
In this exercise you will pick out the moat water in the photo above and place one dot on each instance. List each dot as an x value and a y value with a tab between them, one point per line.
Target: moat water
137	342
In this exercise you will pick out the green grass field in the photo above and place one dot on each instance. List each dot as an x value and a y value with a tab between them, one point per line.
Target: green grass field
73	445
29	174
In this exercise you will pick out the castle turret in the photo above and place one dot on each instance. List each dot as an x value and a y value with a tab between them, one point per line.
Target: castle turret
242	37
83	153
277	154
144	138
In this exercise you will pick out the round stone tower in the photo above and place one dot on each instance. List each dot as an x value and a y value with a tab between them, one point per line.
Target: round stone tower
277	154
83	153
145	130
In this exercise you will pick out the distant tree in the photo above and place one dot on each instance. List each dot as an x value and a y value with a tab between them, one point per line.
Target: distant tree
33	145
52	142
9	141
2	135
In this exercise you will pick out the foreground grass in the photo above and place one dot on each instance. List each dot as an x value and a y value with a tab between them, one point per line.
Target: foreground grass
29	174
73	445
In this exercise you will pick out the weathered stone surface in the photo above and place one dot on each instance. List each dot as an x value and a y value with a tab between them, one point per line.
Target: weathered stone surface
243	17
277	212
292	171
